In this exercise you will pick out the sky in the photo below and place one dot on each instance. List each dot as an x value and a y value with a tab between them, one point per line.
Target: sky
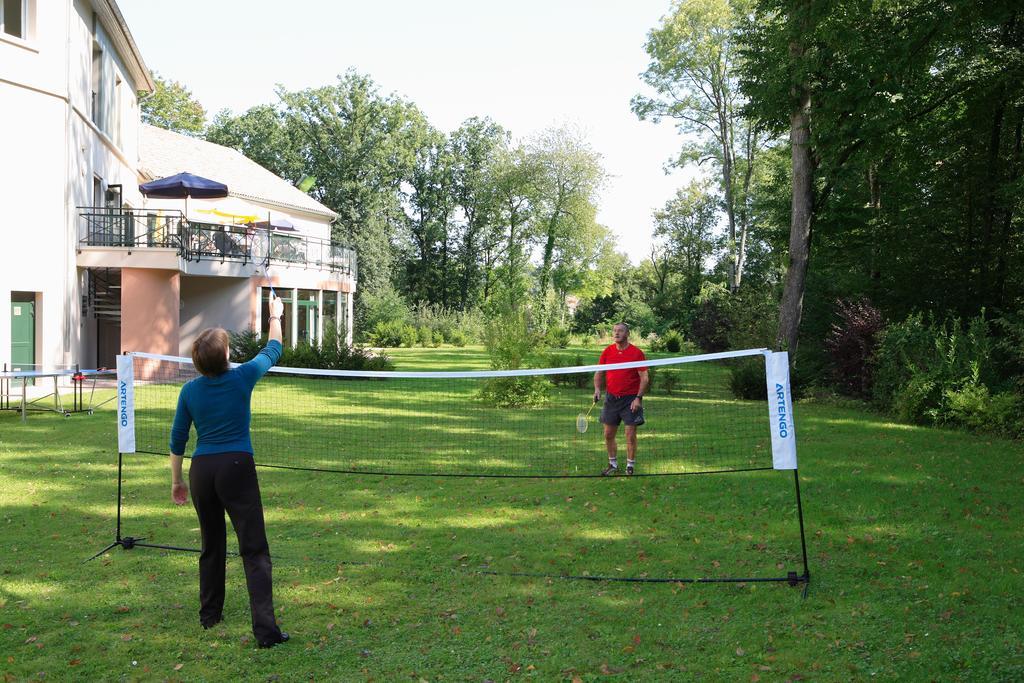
529	65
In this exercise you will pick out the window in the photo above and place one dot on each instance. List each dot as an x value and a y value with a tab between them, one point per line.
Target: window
97	84
116	111
286	324
343	314
307	316
330	314
12	17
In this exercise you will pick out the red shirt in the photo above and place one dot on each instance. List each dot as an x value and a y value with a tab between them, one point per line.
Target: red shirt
622	382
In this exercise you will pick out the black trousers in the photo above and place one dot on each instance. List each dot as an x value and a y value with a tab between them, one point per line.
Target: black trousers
221	483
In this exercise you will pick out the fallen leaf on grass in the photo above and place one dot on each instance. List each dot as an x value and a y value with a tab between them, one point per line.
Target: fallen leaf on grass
74	662
177	667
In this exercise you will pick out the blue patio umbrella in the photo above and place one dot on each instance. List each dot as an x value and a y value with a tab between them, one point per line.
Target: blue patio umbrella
183	186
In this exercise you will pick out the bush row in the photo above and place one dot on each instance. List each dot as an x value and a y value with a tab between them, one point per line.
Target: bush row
950	372
332	354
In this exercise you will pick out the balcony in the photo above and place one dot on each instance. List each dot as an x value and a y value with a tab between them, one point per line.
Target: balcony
170	235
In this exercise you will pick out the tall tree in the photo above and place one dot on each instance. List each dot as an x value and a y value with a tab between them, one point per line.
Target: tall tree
172	106
694	71
898	113
264	135
569	176
474	144
684	232
360	146
515	175
429	202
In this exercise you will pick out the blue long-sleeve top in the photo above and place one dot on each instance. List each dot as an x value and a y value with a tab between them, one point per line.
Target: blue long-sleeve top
219	407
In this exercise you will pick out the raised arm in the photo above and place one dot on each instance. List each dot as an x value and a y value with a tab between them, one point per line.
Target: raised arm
276	311
271	353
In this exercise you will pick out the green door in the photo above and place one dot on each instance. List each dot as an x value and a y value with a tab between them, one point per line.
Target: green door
23	332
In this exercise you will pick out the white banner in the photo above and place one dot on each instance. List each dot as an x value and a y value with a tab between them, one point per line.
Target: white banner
780	411
125	405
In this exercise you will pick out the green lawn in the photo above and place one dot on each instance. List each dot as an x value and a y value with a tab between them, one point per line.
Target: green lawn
916	542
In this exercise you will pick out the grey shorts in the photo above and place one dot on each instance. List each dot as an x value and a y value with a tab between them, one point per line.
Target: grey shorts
616	410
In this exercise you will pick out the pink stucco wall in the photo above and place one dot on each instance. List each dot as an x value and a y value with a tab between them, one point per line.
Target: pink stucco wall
150	310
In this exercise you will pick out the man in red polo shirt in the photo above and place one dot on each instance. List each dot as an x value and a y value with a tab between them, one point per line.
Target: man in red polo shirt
623	400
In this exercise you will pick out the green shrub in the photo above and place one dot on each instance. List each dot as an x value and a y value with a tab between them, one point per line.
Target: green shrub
457	338
747	380
516	392
472	325
409	336
558	337
579	380
669	379
511	345
919	360
673	341
917	401
745	320
387	334
602	332
383	306
973	406
425	336
447	324
330	354
301	356
244	345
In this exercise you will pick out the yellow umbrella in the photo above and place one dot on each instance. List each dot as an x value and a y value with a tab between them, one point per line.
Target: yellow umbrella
233	217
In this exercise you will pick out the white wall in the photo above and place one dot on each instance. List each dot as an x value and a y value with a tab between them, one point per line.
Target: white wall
33	224
51	152
212	302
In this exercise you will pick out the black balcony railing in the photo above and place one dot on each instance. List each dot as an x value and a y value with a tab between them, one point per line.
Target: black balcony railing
195	241
112	227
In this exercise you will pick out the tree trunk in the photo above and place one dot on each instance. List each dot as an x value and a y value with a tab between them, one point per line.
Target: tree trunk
875	204
730	206
801	221
741	255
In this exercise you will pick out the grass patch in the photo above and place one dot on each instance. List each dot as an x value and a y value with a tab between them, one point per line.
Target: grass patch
916	539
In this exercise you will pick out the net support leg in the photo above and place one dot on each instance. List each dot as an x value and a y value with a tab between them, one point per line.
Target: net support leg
806	578
129	542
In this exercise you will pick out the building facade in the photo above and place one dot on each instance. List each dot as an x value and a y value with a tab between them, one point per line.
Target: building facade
89	267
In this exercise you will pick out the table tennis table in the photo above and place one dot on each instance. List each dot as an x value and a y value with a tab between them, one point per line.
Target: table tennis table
10	378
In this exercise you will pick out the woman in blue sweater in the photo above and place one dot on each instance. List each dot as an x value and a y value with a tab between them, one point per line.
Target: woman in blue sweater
222	475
